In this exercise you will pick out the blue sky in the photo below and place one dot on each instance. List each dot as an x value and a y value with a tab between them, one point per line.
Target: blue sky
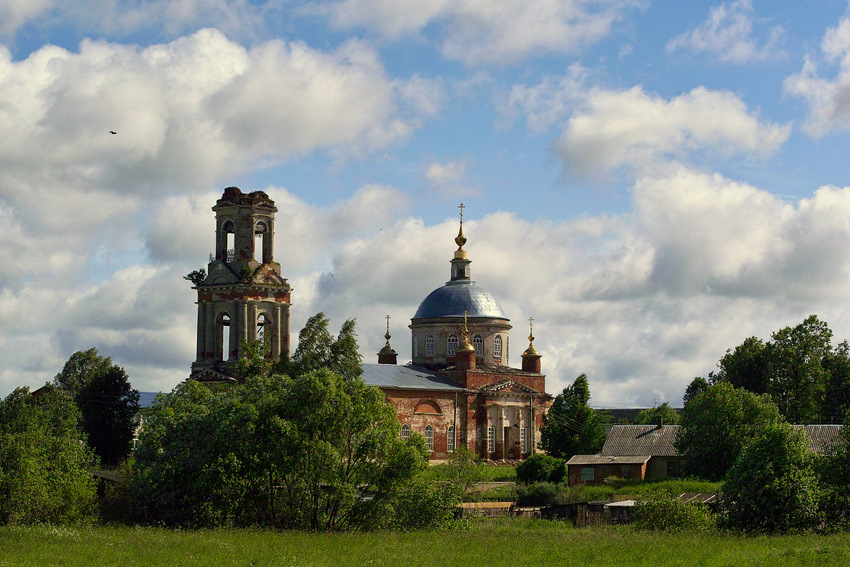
653	182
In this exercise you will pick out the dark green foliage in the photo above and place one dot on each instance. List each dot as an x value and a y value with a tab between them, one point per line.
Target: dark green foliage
541	468
772	486
837	398
663	511
462	469
661	414
108	405
420	504
571	427
716	425
276	451
834	473
106	400
317	349
548	494
746	366
196	276
45	465
697	386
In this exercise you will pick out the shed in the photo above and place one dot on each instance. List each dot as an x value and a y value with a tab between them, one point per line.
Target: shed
594	469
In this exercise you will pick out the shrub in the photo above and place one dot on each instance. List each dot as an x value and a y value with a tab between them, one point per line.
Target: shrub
548	494
663	511
421	504
541	468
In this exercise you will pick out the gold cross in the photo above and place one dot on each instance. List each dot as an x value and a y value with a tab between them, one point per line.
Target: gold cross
461	207
388	323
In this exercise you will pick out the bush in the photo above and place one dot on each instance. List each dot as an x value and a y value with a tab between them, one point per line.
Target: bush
548	494
541	468
421	504
664	512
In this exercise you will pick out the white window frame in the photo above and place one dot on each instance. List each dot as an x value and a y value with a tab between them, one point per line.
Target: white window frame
429	437
451	345
450	439
429	345
491	439
405	432
497	346
523	440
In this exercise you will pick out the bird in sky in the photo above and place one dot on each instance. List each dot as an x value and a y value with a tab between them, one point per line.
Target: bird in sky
113	132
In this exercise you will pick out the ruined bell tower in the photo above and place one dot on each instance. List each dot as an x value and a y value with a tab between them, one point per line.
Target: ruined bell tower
243	297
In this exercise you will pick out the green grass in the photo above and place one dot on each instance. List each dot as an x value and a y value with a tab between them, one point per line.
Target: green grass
490	543
642	487
489	473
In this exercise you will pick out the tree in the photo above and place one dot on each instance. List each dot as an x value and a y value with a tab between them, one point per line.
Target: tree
798	378
571	427
106	400
697	386
717	424
772	486
275	451
661	414
44	462
317	349
836	405
834	473
746	366
109	405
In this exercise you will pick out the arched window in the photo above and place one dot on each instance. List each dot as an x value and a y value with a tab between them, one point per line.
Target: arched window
429	437
262	243
227	246
450	439
478	343
497	346
262	326
223	335
405	432
451	345
429	345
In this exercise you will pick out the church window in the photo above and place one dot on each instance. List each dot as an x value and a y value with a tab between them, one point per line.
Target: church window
478	343
451	345
466	271
228	243
405	432
450	439
429	345
523	440
262	324
497	346
223	324
429	437
491	439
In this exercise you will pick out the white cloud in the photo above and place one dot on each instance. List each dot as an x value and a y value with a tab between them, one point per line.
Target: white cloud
828	99
488	32
14	13
448	179
727	34
634	128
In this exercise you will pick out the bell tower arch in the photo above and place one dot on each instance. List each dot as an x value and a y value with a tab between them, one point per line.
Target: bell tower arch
243	297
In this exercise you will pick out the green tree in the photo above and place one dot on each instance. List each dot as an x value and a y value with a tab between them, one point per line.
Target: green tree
318	349
106	400
717	424
44	463
772	486
836	406
541	468
798	378
571	427
661	414
109	405
697	386
746	366
276	451
833	469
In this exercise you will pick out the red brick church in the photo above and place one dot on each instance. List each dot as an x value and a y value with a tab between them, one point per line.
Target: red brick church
458	391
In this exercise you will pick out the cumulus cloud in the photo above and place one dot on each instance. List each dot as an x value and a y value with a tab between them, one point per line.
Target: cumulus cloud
642	301
727	35
476	32
828	98
638	129
448	179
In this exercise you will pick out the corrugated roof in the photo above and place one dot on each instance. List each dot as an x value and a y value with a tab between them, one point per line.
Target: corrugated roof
626	440
820	437
608	460
406	377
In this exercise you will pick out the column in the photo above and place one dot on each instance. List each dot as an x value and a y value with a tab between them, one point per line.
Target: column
202	330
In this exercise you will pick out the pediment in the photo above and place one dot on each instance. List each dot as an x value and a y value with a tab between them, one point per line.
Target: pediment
509	387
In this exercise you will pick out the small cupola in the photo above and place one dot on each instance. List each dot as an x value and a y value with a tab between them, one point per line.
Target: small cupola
531	358
387	355
460	263
465	354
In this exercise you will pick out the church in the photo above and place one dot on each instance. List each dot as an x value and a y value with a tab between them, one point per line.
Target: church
458	390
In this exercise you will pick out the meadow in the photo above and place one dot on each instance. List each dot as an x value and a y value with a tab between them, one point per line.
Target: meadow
486	543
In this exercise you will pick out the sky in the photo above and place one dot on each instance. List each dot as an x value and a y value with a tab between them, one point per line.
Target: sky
651	181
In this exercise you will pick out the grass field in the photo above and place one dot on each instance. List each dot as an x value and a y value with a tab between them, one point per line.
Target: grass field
486	543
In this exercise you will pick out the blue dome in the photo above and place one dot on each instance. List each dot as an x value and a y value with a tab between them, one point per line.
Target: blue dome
455	297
